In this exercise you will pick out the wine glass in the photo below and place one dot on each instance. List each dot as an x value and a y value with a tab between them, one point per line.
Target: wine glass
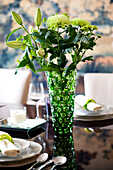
37	94
37	91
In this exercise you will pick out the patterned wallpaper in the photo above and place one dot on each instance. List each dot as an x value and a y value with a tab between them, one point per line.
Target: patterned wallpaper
98	12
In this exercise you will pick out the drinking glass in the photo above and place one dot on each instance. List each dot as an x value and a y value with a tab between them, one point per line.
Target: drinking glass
18	115
37	94
37	91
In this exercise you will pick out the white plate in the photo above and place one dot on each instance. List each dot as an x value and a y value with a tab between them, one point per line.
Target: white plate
33	150
19	143
80	111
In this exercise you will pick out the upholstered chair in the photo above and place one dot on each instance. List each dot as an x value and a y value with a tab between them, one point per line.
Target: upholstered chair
99	86
14	88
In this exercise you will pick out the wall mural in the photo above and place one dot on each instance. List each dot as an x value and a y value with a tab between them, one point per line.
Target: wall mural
98	12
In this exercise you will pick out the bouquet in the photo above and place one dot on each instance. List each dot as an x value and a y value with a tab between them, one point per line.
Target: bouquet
51	44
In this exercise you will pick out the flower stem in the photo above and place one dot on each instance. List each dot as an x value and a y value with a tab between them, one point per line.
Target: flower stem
29	34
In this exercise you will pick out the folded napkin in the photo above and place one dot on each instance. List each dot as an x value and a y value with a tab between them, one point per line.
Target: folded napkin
7	146
88	104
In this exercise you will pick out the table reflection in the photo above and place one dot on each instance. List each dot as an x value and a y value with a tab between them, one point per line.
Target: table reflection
93	151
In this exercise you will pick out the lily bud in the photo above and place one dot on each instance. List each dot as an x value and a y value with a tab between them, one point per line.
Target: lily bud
15	44
37	18
40	52
17	18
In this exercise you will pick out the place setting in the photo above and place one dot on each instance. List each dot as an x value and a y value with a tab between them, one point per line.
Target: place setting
88	110
17	152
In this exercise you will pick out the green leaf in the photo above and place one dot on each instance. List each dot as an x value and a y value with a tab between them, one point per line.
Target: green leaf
26	61
66	46
88	58
12	33
43	31
31	65
92	44
21	37
74	56
47	34
33	53
72	34
52	57
84	45
28	39
50	67
62	61
72	66
22	63
29	61
44	20
44	69
53	37
40	38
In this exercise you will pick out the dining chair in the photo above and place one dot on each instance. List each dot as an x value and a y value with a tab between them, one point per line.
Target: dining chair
14	88
98	86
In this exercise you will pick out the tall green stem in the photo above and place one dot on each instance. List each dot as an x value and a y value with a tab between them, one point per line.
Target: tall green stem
29	34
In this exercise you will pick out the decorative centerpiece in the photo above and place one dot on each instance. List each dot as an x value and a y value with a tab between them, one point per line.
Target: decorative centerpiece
57	48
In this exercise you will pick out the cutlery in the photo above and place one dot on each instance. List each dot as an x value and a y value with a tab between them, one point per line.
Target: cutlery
57	161
42	158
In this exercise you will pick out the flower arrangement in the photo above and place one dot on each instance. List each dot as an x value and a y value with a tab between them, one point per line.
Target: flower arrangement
49	45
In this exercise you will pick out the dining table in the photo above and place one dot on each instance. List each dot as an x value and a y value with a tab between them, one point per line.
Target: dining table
93	142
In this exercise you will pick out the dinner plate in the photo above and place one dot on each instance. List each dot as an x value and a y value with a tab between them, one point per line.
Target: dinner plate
105	111
19	143
26	155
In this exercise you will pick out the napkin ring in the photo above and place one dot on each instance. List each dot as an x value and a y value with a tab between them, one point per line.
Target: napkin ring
87	102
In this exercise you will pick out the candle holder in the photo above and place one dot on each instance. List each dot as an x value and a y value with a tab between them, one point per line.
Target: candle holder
18	114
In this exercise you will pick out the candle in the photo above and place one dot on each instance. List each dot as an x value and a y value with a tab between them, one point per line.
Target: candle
18	115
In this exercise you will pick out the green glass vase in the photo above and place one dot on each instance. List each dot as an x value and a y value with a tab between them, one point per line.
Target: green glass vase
63	145
62	94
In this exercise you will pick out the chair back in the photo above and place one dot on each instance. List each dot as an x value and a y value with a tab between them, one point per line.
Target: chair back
98	86
14	88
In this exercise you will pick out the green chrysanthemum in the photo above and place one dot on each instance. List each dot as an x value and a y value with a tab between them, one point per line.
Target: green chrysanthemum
56	21
80	22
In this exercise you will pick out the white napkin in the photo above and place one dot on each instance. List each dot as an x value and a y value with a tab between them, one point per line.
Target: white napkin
8	148
81	100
